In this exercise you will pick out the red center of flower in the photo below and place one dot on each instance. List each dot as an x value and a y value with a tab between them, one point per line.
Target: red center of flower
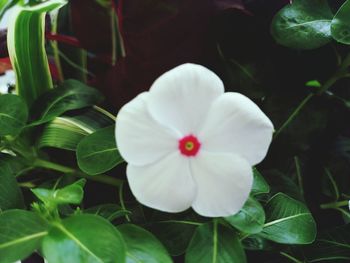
189	145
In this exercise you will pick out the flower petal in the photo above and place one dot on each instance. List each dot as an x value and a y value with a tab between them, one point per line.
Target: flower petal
181	97
235	124
223	183
166	185
140	139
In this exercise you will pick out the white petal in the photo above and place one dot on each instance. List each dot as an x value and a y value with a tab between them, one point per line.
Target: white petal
166	185
140	139
223	183
181	97
235	124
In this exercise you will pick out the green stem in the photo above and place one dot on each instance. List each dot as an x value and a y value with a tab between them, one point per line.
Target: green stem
293	115
290	257
114	37
340	73
64	169
335	204
299	177
121	199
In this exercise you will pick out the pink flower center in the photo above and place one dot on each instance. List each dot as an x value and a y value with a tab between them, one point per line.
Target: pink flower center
189	145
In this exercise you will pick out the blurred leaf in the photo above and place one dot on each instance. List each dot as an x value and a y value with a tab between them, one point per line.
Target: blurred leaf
21	233
313	84
26	46
340	27
214	243
142	246
5	5
10	193
174	235
107	211
97	153
288	221
70	95
304	24
260	186
250	219
71	194
66	132
256	242
84	238
13	114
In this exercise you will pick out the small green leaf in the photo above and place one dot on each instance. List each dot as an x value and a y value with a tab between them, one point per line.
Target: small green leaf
21	233
71	194
304	24
288	221
142	246
97	153
250	219
260	186
13	114
70	95
313	83
84	238
214	243
340	27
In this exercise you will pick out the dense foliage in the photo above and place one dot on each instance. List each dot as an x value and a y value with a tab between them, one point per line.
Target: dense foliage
63	190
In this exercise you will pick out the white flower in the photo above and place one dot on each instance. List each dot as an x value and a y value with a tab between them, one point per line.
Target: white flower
189	144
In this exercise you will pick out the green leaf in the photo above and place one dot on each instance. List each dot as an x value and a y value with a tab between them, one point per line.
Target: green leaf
26	45
340	27
97	153
250	219
260	186
213	243
13	114
304	24
288	221
175	235
10	193
21	234
70	95
66	132
84	238
142	246
71	194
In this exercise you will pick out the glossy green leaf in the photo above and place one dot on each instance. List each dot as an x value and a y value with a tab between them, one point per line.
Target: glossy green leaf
340	27
66	132
260	186
10	193
250	219
71	194
26	45
288	221
108	211
13	114
84	238
304	24
21	234
142	246
70	95
214	243
175	235
97	153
